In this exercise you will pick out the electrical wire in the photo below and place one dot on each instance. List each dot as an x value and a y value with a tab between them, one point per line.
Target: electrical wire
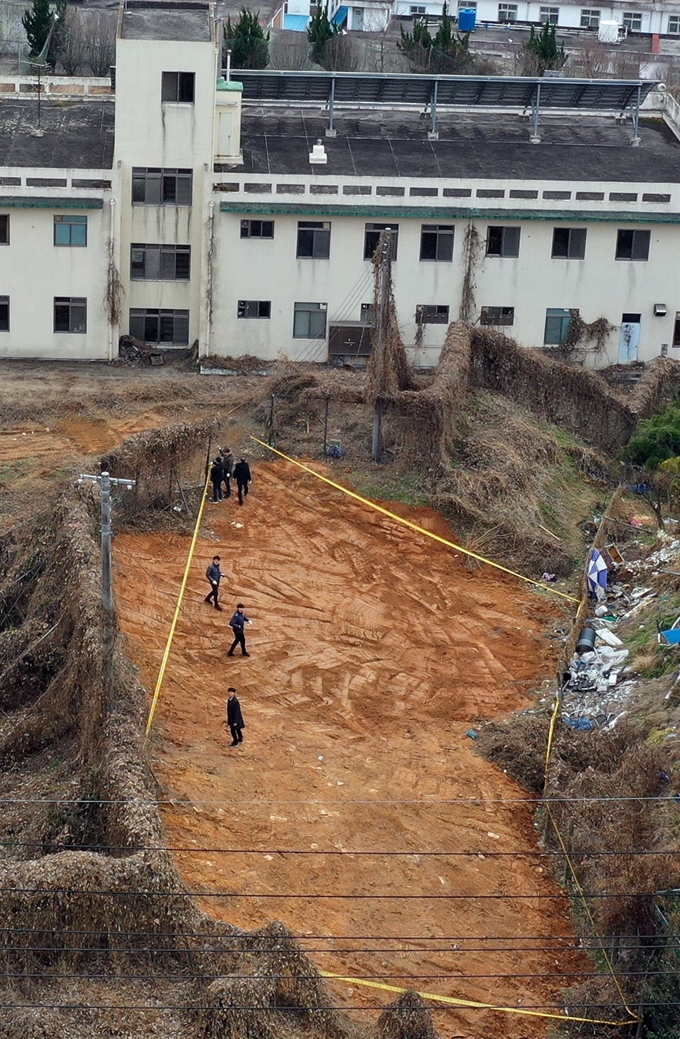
319	896
178	802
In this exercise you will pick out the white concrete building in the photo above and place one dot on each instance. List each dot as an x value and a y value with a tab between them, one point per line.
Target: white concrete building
189	209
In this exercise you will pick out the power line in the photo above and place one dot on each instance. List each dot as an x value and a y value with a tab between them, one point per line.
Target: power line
178	803
295	1009
363	896
134	950
179	975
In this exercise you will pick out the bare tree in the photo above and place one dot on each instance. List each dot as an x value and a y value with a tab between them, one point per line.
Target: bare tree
100	37
289	50
72	45
341	54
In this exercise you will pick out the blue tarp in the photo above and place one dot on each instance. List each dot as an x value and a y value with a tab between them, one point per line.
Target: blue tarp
671	636
296	22
340	16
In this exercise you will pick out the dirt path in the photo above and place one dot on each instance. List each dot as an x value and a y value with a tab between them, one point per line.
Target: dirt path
373	650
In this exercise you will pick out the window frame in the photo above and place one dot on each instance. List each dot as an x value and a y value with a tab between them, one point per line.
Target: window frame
444	236
300	308
562	315
157	269
551	16
629	17
462	5
675	20
178	84
367	314
70	221
71	304
371	229
160	314
316	234
590	18
636	235
574	235
502	231
432	314
170	181
676	329
247	225
4	236
505	11
4	319
501	312
262	305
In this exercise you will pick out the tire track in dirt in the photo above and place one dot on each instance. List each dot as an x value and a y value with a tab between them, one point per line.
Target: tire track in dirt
373	652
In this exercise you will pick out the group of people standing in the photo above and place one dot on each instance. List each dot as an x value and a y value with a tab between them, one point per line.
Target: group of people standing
223	470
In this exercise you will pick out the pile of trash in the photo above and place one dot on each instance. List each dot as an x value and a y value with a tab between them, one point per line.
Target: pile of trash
592	693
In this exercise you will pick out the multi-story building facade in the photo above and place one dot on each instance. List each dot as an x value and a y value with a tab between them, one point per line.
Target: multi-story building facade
180	207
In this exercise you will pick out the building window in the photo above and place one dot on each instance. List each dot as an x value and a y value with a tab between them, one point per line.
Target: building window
590	19
367	312
178	86
254	308
632	21
160	262
156	187
632	245
497	316
4	229
507	12
502	241
431	315
70	230
313	240
417	10
436	242
674	26
462	5
257	229
70	314
676	329
160	326
551	15
569	243
309	321
4	313
557	325
372	237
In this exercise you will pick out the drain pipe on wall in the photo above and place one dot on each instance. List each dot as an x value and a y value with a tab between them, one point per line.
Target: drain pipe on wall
209	278
112	288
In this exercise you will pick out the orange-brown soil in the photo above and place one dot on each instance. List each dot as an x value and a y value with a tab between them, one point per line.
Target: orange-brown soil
373	651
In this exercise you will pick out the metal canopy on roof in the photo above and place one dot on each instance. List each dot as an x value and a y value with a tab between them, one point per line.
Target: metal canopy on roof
489	91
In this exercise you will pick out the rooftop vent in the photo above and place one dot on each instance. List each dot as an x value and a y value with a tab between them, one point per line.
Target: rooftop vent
317	156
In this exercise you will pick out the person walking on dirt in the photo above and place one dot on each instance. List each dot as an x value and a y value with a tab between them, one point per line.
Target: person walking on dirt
216	479
237	624
227	470
243	478
235	718
213	573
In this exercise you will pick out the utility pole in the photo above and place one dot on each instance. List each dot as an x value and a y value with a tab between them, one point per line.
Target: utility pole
106	482
381	324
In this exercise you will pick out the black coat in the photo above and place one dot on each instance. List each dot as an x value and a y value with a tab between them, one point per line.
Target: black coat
242	473
234	715
216	472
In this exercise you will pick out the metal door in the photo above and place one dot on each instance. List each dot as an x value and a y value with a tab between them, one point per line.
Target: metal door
629	338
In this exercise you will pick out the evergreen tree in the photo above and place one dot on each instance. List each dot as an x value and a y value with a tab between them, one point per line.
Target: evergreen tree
37	23
248	40
319	32
446	52
544	49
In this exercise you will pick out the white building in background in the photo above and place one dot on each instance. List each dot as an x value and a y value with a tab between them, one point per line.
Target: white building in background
182	208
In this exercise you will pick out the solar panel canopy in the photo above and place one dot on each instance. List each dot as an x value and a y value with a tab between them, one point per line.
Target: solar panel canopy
468	91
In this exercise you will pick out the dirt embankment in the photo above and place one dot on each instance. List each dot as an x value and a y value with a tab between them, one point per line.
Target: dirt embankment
373	651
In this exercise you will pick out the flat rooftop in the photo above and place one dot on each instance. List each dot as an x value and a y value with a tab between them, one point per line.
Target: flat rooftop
480	145
185	20
68	135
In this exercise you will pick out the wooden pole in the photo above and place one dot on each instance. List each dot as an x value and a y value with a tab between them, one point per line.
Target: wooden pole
325	426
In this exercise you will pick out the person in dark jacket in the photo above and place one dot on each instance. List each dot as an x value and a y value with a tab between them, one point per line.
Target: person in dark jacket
237	624
235	718
213	573
243	478
216	479
227	470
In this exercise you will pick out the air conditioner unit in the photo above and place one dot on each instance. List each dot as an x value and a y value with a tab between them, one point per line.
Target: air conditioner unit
659	309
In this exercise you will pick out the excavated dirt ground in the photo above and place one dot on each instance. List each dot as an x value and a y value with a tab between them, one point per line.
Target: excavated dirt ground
373	651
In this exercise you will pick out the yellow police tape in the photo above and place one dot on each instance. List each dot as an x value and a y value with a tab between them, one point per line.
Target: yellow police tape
168	645
413	526
471	1003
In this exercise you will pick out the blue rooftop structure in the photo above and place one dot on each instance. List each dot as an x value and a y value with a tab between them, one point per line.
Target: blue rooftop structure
295	22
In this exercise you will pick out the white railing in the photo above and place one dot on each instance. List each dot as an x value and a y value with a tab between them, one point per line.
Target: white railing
62	86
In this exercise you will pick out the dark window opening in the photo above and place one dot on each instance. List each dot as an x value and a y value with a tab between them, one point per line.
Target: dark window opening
557	325
632	245
309	321
503	241
569	243
178	87
4	313
676	329
367	314
436	242
431	315
70	314
313	240
254	308
497	316
4	229
160	262
160	326
257	229
156	187
372	237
